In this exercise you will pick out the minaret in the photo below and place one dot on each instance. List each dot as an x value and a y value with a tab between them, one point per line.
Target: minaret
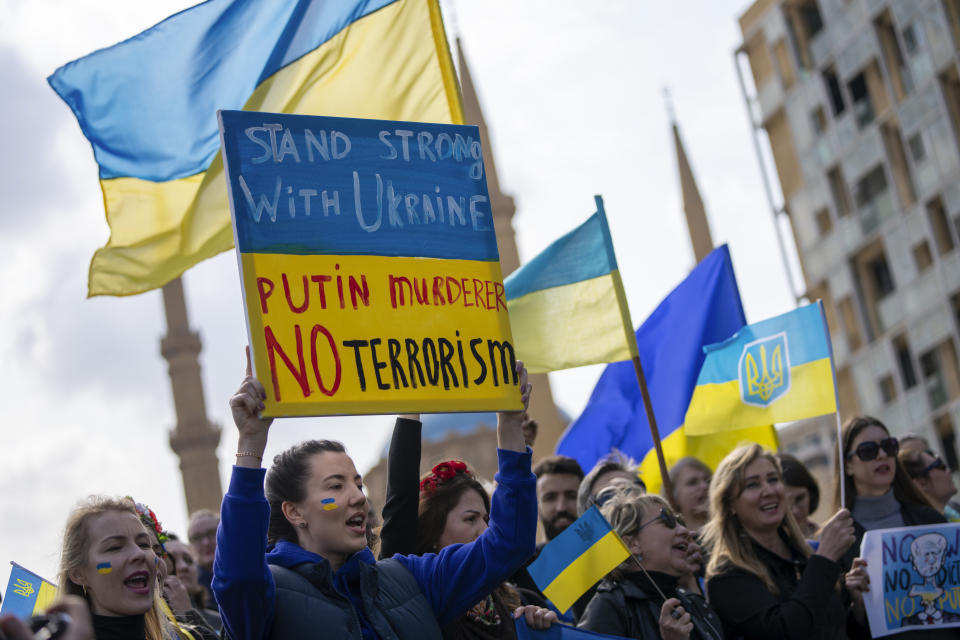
693	207
195	438
542	408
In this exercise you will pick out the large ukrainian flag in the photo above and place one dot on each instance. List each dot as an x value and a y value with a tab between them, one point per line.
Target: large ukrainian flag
27	593
567	306
148	106
772	371
577	559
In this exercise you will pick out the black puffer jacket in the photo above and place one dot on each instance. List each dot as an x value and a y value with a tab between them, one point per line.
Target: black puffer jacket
631	608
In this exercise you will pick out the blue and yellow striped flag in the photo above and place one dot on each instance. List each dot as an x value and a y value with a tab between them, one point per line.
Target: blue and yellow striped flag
577	559
776	370
27	593
148	106
567	306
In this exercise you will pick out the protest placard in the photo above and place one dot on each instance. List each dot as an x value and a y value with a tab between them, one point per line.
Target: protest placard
914	578
369	265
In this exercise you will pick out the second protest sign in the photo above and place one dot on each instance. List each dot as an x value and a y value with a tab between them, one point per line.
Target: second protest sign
369	265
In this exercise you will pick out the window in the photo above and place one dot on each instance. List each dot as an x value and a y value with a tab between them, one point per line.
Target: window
899	167
860	95
950	86
803	23
870	186
838	189
833	91
784	64
900	76
922	256
904	362
824	223
910	42
933	378
918	150
874	281
888	390
882	278
940	226
955	305
948	439
952	9
850	325
819	119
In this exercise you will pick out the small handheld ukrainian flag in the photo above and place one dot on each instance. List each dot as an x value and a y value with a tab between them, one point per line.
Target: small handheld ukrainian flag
27	593
577	559
776	370
567	306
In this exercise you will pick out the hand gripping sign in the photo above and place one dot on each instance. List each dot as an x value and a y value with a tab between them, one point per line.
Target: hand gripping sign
369	265
914	578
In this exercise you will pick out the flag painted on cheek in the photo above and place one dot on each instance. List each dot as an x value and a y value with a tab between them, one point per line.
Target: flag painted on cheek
329	504
104	568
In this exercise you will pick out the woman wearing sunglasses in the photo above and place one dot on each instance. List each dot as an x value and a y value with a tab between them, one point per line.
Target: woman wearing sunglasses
641	598
879	492
931	475
763	579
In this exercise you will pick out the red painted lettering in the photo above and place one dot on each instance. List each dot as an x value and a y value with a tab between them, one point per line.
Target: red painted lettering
477	288
286	292
262	283
300	374
318	329
450	297
498	289
320	291
359	288
463	283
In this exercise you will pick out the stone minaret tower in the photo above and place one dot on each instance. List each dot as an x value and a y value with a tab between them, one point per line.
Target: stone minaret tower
542	409
693	207
194	439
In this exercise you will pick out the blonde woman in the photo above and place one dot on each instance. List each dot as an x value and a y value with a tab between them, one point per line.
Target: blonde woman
763	579
108	559
648	602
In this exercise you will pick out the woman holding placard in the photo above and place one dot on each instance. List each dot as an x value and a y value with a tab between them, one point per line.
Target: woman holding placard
292	558
880	495
763	579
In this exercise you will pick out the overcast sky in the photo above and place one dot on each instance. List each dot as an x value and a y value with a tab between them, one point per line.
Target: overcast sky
572	92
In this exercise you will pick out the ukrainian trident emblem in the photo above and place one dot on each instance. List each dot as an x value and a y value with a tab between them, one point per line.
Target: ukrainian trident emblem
764	370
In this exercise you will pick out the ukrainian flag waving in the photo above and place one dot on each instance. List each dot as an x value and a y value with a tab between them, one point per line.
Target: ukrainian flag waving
776	370
148	106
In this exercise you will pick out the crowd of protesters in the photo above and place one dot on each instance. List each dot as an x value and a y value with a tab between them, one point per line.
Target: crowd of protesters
297	551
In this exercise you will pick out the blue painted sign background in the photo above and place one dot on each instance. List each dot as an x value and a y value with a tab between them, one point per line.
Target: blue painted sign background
346	186
914	578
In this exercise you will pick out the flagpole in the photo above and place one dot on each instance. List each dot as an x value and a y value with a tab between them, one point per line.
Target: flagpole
836	401
654	431
641	379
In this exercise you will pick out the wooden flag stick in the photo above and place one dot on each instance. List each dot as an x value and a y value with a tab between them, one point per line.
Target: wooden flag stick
836	401
654	431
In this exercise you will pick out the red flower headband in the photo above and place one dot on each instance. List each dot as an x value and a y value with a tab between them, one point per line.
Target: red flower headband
441	473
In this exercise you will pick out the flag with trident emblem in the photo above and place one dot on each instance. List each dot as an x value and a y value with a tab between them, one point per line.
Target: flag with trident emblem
776	370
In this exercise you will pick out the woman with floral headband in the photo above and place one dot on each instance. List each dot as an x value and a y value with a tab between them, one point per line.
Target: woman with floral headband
451	507
292	560
176	603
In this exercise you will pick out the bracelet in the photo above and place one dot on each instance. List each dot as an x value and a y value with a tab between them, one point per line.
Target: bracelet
249	454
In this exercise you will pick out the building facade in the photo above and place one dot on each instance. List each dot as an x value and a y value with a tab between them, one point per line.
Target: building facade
858	104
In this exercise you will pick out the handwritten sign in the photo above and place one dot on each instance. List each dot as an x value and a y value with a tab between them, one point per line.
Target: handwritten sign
914	578
369	265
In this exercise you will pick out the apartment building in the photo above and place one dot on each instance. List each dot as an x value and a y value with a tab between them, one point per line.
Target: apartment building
857	105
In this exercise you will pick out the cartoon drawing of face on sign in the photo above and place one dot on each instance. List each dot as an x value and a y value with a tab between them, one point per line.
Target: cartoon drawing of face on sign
927	553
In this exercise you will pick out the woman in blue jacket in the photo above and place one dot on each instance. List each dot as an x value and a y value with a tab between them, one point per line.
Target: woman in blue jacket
292	560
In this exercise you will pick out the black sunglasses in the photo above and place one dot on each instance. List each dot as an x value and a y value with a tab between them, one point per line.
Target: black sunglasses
668	519
868	451
936	464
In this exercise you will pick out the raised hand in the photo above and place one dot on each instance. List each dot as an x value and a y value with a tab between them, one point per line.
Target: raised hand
675	622
536	617
836	536
510	423
245	405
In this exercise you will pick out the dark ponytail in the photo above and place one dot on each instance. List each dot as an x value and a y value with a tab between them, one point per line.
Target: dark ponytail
287	482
